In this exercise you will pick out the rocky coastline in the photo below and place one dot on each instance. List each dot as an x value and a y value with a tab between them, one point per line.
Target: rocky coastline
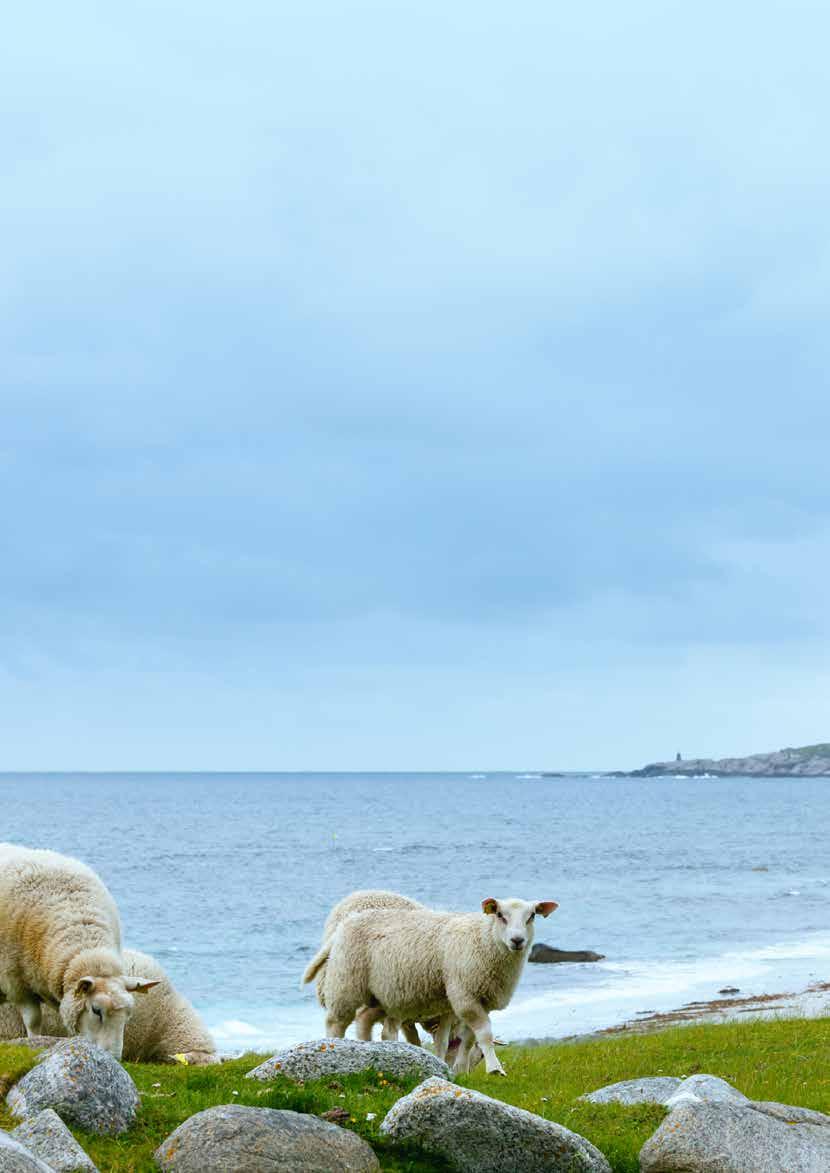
808	761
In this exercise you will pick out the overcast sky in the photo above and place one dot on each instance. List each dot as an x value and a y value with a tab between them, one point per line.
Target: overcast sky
413	385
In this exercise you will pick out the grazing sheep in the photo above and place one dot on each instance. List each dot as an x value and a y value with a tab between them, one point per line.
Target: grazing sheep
429	965
163	1024
367	1016
60	945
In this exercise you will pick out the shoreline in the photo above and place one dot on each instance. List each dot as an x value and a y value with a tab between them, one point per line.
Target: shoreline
812	1002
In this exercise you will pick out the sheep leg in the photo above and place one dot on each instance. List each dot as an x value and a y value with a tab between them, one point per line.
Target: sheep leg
337	1027
462	1058
410	1033
365	1019
31	1013
390	1030
441	1035
478	1020
469	1053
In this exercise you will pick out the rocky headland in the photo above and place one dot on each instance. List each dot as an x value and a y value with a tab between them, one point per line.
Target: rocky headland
807	761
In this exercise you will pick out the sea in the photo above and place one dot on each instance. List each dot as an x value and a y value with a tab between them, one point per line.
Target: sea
685	885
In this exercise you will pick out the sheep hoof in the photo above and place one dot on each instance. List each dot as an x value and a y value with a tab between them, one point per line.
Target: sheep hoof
497	1071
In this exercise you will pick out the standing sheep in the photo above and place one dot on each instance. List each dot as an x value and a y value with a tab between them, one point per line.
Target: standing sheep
162	1025
430	964
362	901
60	945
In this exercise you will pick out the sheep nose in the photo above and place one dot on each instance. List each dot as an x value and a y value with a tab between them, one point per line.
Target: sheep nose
517	942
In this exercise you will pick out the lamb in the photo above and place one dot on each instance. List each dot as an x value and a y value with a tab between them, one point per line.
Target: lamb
366	1016
60	945
430	964
163	1025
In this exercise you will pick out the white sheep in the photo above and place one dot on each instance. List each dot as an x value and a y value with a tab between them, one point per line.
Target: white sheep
430	965
163	1025
366	1016
60	945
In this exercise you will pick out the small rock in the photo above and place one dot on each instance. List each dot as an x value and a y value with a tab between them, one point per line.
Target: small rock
335	1116
47	1137
667	1090
654	1089
348	1057
729	990
789	1114
476	1134
263	1140
547	954
15	1159
733	1137
83	1083
706	1088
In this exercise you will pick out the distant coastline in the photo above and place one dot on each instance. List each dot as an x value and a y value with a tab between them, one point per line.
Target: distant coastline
807	761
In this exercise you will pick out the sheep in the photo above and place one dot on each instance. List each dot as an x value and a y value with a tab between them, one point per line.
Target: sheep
163	1026
60	944
366	1016
430	964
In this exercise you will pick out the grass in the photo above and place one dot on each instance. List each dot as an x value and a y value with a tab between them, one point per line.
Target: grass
786	1060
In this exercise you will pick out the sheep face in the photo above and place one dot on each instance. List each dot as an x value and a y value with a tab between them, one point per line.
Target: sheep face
99	1008
513	920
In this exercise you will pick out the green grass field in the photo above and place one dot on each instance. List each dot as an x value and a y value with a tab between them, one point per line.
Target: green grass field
787	1060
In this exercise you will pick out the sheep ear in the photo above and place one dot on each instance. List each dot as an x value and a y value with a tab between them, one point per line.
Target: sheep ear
546	907
490	906
137	985
84	986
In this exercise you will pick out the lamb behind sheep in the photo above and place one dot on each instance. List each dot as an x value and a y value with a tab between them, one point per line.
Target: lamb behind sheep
60	945
430	964
163	1024
362	901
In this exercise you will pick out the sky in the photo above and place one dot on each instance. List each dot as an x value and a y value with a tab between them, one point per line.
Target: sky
412	386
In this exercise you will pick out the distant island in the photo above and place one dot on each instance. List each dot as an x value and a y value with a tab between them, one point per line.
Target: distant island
806	761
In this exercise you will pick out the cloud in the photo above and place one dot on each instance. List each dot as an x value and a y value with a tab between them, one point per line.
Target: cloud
469	337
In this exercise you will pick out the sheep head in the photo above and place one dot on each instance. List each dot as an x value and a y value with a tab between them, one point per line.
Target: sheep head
99	1008
513	920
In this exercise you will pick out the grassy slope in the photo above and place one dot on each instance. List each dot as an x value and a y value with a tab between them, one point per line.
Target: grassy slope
788	1060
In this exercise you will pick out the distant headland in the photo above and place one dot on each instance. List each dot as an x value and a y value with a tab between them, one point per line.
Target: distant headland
806	761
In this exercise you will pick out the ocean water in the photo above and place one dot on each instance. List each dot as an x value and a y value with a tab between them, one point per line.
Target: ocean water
227	879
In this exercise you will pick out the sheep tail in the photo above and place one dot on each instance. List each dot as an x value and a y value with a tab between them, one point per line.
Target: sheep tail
317	963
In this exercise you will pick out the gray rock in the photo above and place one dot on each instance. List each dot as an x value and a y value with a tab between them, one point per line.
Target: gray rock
47	1137
547	954
476	1134
15	1159
726	1136
706	1088
666	1090
347	1057
83	1083
654	1089
263	1140
789	1114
